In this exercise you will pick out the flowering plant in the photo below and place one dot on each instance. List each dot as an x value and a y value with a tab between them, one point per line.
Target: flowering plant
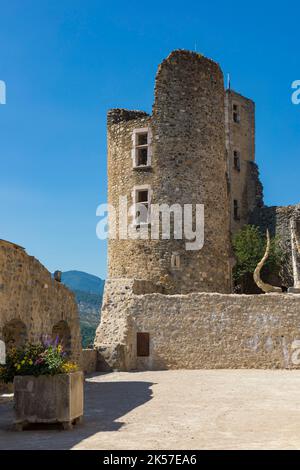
44	358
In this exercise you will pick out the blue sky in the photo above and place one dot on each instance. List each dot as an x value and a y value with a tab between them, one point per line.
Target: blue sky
66	62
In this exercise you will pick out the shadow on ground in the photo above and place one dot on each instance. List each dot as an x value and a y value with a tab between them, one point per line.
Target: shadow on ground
105	404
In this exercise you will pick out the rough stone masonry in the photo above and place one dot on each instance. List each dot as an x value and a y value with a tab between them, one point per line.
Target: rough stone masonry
186	164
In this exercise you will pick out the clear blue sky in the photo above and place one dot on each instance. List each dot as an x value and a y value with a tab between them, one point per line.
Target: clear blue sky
66	62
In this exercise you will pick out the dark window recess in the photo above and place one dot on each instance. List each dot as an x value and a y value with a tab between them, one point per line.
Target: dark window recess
236	210
143	344
236	160
142	139
142	196
236	117
142	199
235	114
142	156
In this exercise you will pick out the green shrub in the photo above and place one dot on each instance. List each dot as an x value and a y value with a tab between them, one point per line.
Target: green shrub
249	247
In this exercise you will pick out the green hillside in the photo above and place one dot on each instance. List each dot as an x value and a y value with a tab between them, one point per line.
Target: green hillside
88	290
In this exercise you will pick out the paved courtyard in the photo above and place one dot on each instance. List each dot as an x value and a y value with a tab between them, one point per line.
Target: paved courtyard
194	409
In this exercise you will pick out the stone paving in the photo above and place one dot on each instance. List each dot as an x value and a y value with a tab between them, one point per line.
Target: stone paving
180	409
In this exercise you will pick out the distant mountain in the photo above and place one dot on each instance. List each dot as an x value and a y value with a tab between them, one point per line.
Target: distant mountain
79	280
88	290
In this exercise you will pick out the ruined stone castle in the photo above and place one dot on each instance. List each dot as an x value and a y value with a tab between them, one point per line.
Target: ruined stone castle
196	147
165	306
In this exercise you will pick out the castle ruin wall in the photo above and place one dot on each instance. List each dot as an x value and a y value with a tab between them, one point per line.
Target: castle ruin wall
199	330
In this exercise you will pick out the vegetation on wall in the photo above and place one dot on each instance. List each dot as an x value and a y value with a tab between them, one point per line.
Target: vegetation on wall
249	246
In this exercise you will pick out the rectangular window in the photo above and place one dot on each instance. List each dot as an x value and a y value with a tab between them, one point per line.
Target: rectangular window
143	196
141	200
143	344
236	160
236	214
236	113
141	151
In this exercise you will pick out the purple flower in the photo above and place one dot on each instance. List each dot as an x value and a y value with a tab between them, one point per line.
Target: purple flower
46	340
49	342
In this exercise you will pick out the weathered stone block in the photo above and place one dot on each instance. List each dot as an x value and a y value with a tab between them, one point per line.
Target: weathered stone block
48	399
293	290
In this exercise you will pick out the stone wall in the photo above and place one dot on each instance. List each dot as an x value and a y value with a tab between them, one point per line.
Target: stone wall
33	304
188	166
114	336
199	330
254	193
89	361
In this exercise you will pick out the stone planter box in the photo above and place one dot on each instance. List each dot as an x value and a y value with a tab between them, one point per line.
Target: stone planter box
48	399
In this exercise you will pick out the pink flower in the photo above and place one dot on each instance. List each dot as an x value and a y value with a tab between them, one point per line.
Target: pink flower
39	361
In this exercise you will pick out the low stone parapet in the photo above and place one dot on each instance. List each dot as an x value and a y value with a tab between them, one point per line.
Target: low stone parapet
89	361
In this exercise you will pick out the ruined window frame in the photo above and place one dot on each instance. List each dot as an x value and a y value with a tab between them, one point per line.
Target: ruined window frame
135	191
175	261
136	147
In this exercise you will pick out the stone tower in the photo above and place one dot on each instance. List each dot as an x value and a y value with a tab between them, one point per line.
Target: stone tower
246	192
175	156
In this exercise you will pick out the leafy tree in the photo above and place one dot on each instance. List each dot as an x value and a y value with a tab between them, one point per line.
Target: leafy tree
249	246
